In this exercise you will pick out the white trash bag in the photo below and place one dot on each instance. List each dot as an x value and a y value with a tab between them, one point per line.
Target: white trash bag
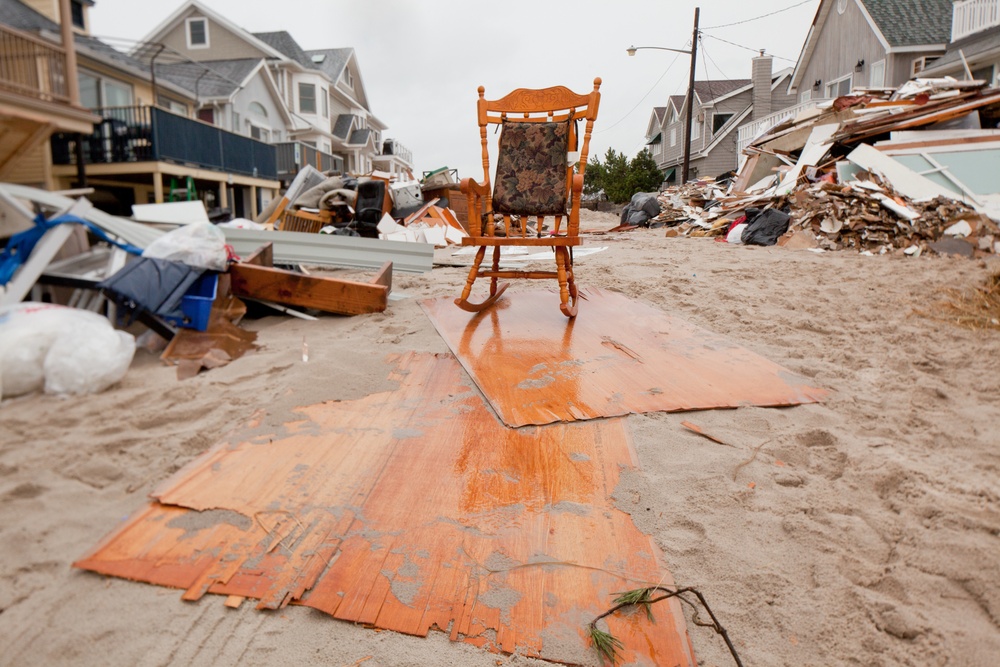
60	350
199	244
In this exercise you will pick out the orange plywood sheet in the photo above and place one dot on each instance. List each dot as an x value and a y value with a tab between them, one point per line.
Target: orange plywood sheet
414	510
616	357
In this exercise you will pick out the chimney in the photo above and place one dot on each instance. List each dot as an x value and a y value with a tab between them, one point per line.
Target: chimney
761	86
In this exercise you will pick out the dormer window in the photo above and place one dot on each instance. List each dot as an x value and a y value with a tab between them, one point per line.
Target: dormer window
348	79
197	33
76	14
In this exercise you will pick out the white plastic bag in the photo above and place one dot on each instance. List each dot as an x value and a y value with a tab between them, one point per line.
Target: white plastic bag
95	357
60	350
199	244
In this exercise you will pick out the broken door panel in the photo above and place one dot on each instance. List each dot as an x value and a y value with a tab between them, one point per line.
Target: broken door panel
414	510
617	357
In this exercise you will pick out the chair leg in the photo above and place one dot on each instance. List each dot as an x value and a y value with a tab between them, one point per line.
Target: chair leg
496	267
567	285
495	290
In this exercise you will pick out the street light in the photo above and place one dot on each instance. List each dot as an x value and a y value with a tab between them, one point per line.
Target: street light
690	92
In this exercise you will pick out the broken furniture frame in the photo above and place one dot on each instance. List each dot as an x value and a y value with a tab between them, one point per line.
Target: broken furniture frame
302	221
529	108
256	278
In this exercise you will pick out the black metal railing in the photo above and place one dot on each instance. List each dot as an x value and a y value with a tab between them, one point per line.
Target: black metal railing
292	156
142	134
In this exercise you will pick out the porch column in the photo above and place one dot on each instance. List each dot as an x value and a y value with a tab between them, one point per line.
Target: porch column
253	202
223	195
66	25
157	187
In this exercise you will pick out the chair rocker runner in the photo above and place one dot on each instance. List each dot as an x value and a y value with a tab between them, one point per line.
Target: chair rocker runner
538	170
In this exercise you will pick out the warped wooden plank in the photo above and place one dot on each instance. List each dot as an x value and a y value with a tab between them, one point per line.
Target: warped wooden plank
331	295
617	357
413	510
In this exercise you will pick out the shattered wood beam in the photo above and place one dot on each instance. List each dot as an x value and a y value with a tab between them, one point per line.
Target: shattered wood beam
918	117
331	295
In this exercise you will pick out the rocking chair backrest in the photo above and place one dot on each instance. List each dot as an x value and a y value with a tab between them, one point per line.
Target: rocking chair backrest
547	121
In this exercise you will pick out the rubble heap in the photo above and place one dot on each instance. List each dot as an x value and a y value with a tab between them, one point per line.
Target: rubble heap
844	173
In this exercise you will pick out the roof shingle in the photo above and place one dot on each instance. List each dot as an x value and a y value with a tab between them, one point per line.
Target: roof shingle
912	22
282	41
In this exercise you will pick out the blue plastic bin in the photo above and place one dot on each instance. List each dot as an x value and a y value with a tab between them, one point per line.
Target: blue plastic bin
197	303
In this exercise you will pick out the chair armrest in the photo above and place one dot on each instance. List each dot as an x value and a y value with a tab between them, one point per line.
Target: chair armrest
469	186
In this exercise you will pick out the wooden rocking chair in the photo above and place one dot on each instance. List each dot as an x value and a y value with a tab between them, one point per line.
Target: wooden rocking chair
538	169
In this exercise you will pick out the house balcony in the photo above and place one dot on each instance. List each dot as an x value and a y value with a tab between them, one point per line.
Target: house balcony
750	131
393	147
151	134
293	156
972	16
32	67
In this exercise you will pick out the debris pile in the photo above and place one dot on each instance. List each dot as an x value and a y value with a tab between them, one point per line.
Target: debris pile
378	205
186	282
868	215
877	172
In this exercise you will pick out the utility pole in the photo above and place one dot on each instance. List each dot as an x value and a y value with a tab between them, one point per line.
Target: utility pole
686	166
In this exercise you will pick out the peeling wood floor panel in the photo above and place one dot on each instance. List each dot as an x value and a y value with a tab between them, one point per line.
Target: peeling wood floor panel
536	367
414	510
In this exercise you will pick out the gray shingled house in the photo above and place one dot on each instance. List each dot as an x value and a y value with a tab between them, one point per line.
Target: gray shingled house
720	108
974	48
869	44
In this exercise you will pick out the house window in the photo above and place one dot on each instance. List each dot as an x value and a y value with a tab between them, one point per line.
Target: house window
259	133
984	74
90	91
920	64
236	122
97	92
718	120
197	33
207	115
257	109
324	100
171	105
117	94
348	79
76	14
673	136
805	96
839	88
307	98
876	78
695	130
276	134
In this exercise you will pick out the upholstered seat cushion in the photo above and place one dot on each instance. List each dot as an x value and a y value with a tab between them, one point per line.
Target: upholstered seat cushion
531	169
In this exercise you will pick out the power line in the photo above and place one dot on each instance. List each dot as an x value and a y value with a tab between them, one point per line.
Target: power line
745	47
712	60
762	16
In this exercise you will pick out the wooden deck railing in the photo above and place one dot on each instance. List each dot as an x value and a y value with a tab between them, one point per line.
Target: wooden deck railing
750	131
32	66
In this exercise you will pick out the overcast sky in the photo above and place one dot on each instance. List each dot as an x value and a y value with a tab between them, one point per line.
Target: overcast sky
421	62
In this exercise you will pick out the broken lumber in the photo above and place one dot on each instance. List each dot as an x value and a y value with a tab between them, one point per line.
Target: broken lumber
331	295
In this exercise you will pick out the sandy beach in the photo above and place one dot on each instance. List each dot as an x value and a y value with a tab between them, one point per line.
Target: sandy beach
863	530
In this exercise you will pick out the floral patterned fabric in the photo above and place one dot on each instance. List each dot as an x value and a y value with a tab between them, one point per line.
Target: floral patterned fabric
531	169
